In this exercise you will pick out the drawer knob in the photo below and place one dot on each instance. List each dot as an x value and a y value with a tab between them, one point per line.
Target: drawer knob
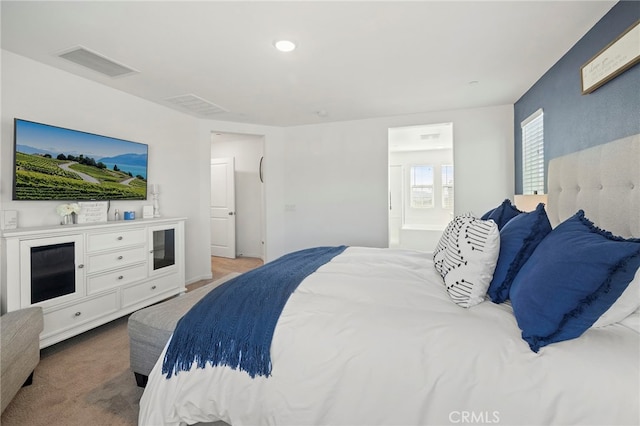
120	257
80	266
77	314
120	238
153	287
121	277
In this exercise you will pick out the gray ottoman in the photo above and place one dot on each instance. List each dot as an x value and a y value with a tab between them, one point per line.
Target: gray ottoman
150	328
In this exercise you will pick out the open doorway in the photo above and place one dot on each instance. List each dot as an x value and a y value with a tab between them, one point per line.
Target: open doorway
421	184
243	152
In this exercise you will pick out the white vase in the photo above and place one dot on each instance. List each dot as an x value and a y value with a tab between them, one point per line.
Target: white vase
66	220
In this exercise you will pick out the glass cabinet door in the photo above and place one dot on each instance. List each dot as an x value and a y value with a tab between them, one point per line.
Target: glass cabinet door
163	250
52	271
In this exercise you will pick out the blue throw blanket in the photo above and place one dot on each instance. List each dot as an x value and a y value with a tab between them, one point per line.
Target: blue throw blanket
233	324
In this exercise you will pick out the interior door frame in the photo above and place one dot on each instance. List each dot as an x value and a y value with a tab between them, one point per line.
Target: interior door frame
260	168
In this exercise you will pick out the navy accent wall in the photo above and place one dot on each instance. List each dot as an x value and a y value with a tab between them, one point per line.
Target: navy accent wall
573	121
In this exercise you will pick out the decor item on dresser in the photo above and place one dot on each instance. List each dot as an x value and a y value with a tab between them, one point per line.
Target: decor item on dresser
147	212
93	211
68	212
89	274
8	219
383	320
155	192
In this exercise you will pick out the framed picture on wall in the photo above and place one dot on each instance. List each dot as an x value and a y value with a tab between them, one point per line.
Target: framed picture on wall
617	57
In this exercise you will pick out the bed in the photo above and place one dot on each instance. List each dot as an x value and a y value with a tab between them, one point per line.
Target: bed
379	336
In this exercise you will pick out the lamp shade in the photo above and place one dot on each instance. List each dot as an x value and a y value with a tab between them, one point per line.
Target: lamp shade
528	203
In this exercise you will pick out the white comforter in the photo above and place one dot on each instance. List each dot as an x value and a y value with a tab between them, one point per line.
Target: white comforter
373	338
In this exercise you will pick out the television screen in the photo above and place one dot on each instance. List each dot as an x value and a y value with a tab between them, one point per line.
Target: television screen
54	163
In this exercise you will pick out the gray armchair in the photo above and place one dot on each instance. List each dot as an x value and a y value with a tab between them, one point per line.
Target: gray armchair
19	350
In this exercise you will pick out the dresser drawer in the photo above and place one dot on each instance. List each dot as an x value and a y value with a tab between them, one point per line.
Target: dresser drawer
117	278
62	319
115	259
111	240
151	288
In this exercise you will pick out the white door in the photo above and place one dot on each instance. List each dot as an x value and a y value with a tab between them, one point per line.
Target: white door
395	205
223	205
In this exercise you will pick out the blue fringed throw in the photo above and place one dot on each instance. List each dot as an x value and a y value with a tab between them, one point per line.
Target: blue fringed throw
234	323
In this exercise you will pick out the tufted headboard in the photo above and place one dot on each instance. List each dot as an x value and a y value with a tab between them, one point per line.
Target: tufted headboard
604	181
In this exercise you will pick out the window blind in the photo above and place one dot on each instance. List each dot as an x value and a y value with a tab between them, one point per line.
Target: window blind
447	187
533	154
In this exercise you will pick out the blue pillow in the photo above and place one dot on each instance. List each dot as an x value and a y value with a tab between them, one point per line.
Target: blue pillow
487	214
502	214
575	274
518	239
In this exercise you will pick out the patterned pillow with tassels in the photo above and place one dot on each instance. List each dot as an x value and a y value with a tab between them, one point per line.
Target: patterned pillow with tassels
440	252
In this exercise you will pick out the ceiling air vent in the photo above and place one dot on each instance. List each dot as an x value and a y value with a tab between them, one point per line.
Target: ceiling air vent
195	105
96	62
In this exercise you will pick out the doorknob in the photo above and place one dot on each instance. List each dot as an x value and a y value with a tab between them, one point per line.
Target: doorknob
231	213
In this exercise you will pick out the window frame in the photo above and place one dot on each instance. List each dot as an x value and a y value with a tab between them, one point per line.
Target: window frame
447	190
419	188
533	175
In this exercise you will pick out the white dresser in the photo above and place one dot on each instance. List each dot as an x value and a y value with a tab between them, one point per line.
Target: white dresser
86	275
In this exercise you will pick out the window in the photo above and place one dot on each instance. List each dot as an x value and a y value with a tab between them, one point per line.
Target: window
447	187
422	186
533	154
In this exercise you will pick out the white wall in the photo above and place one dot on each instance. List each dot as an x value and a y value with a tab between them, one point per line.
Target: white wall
335	174
41	93
247	150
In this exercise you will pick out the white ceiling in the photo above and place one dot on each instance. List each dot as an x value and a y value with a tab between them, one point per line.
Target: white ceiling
355	60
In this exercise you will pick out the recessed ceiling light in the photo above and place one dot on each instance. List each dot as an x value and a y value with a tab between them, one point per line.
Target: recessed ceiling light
285	45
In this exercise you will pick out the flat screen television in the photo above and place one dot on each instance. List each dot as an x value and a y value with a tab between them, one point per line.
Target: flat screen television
54	163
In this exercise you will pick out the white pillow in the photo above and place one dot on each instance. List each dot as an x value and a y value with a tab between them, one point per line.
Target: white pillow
627	303
441	248
471	247
632	321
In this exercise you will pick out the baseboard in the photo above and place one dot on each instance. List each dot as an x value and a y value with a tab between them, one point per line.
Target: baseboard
256	256
200	278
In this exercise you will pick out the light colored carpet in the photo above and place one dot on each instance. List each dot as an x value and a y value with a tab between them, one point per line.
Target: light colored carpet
81	381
